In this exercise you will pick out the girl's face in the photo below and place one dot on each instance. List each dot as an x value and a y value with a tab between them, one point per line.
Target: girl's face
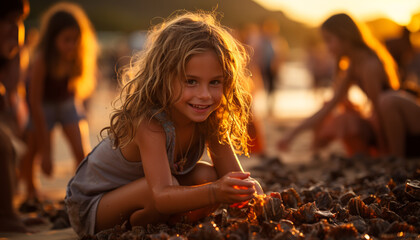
67	42
202	90
334	44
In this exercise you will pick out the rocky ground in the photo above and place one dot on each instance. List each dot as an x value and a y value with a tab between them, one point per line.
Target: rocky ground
335	198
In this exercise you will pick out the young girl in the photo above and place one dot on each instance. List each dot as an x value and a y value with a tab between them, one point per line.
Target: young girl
363	61
187	91
63	75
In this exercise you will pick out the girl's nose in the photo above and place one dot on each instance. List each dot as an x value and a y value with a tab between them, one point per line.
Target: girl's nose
204	92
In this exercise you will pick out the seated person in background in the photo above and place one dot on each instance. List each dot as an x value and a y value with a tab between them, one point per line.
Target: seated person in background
363	61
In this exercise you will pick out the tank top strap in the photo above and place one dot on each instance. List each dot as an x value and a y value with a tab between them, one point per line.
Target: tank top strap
169	129
167	124
192	157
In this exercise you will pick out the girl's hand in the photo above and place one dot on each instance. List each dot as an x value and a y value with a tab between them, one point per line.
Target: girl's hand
233	188
257	186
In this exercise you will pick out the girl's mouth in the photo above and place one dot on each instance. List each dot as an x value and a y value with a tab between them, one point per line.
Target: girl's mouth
200	107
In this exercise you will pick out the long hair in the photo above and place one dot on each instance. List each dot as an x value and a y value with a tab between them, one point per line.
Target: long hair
62	16
359	36
149	79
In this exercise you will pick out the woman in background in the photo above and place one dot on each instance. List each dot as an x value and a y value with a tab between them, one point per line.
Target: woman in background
363	61
62	77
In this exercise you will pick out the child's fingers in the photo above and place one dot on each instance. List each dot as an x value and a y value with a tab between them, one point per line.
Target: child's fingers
257	186
242	198
239	175
259	189
247	191
240	183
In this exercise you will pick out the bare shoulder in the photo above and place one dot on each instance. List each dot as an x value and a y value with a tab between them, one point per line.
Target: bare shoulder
149	135
372	63
38	64
149	130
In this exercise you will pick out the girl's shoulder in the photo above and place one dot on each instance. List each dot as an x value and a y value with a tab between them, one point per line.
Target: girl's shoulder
158	125
164	121
38	66
148	126
38	60
150	135
372	64
371	58
367	62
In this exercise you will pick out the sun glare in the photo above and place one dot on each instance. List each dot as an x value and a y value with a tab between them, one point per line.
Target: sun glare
314	12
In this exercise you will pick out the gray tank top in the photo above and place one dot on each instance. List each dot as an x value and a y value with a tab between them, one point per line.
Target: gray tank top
197	148
107	166
106	169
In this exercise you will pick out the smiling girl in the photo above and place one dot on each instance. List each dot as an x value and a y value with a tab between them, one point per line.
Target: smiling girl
185	93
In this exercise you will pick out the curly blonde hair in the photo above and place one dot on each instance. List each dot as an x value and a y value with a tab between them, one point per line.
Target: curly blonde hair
147	83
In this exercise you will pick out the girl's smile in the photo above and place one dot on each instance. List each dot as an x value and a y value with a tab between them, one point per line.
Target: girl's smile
202	90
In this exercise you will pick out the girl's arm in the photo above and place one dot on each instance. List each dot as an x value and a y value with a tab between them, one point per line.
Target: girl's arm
225	161
340	92
168	196
223	157
36	92
372	77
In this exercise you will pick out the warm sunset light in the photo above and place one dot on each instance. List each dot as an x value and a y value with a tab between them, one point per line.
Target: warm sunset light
235	119
314	12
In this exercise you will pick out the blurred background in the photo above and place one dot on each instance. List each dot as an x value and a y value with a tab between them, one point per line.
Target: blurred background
304	68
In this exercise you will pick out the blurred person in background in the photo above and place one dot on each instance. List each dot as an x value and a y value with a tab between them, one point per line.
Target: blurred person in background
319	63
268	50
250	35
393	127
401	50
62	76
12	14
408	60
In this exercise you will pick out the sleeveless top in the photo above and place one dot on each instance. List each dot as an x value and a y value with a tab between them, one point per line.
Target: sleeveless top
106	169
197	149
56	89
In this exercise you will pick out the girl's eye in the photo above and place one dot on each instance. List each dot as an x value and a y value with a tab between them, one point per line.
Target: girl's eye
215	82
191	82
